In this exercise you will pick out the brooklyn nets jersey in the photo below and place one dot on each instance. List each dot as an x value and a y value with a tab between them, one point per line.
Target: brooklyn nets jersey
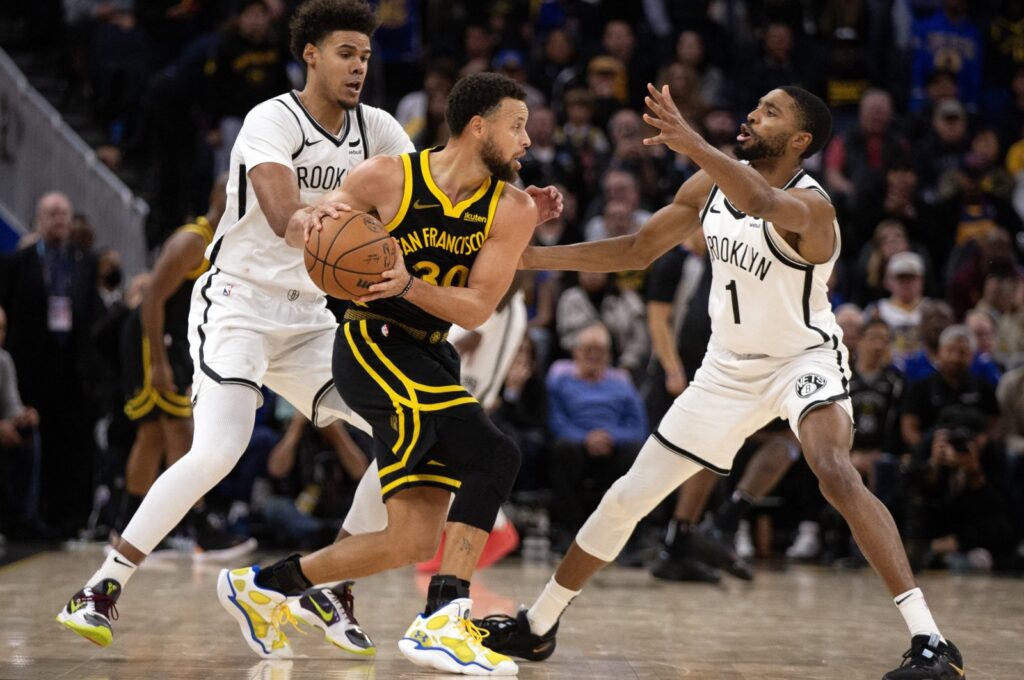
765	298
280	130
439	241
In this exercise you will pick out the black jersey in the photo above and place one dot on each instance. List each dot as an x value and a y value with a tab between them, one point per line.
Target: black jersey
177	306
439	240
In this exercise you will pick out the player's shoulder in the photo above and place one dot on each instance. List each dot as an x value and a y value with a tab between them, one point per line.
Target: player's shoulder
275	108
695	191
513	200
804	181
373	114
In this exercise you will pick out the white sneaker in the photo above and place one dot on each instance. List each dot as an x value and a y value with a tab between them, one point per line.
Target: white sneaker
744	546
448	641
807	544
90	610
260	612
331	610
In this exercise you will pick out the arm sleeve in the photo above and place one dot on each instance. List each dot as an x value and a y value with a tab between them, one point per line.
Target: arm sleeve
270	134
385	137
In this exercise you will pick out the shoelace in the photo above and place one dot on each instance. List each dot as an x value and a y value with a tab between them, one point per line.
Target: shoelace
345	603
282	616
475	634
103	604
915	655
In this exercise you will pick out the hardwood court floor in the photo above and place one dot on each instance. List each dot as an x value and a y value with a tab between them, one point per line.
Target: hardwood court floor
802	624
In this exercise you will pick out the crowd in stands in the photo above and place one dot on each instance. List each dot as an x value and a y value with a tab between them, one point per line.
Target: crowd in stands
925	167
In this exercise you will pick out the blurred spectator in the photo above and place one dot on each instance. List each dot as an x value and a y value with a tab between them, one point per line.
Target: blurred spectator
959	516
418	111
936	316
597	421
620	186
940	86
857	161
19	453
49	292
1008	115
619	41
512	63
619	220
108	277
247	68
951	385
710	82
629	153
583	138
1005	52
119	61
876	387
598	299
993	250
522	414
1011	402
850	318
607	84
948	39
844	27
774	64
545	161
868	282
682	81
985	364
942	149
986	159
901	310
478	43
555	70
1003	302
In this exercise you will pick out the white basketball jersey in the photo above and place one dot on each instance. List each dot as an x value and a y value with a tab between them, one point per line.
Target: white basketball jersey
281	131
765	298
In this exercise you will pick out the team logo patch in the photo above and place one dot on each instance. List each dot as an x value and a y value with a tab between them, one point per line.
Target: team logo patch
808	384
293	295
227	290
385	331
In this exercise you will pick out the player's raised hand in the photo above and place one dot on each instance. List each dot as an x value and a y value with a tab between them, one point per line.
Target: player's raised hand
548	201
674	131
396	281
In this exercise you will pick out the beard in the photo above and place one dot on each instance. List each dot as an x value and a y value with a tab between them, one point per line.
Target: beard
500	168
759	148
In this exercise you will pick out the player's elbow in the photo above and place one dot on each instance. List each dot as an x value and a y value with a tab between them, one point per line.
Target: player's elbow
473	319
759	204
640	253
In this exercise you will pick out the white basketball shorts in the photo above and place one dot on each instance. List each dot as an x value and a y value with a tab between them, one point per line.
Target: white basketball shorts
241	334
734	395
484	370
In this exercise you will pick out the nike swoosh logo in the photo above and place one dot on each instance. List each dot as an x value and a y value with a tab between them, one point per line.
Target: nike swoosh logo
122	562
306	142
899	602
355	143
957	668
714	210
323	615
423	206
74	606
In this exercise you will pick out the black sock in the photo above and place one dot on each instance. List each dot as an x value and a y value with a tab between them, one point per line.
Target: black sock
729	514
285	577
677	535
442	590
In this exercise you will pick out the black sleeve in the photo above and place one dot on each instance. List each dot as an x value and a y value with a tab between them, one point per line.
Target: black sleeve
665	276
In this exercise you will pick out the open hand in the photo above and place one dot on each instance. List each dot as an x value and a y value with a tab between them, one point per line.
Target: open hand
675	132
548	201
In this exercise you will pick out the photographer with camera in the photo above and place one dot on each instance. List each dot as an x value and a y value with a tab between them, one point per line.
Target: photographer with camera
958	515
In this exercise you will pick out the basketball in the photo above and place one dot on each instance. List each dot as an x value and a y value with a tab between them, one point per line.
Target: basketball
347	256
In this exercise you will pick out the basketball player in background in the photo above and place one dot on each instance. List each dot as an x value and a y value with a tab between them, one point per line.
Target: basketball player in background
462	230
775	351
158	374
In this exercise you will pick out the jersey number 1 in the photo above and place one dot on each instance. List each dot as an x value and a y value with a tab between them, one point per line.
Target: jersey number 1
735	301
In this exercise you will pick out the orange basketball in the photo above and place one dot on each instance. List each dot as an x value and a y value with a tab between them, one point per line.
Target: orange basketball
347	256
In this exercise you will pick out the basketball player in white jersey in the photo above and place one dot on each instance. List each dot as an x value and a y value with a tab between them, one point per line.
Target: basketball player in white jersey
256	317
775	351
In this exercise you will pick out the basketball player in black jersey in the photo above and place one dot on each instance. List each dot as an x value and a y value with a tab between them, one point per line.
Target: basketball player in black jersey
459	229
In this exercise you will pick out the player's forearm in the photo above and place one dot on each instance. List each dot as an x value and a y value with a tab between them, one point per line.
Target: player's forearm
664	346
153	320
742	184
607	255
466	307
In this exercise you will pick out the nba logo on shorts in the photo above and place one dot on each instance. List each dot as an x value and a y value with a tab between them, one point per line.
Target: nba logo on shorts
808	384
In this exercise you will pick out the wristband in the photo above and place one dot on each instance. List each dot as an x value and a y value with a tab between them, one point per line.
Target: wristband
408	286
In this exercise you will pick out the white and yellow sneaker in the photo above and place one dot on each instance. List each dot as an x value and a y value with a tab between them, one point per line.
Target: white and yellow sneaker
90	611
448	641
260	612
332	610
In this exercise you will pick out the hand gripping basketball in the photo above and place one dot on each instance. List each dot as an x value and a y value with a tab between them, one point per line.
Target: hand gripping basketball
350	254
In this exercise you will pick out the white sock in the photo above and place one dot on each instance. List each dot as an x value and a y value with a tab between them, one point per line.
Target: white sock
549	606
916	613
117	567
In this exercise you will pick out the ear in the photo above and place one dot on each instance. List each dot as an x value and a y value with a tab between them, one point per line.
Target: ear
477	126
801	141
310	54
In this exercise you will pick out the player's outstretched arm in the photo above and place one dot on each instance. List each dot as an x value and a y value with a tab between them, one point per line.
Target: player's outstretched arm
669	226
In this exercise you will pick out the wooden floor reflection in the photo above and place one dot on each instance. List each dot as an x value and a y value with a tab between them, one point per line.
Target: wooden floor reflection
801	624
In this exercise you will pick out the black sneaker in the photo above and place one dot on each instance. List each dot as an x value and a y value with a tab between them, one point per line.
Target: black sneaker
511	636
712	546
90	611
215	543
929	659
669	567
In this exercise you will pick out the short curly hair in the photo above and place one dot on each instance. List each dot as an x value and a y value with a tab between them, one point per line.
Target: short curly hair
478	95
316	19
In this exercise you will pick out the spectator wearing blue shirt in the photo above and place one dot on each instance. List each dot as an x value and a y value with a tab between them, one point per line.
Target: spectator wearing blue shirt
597	421
949	40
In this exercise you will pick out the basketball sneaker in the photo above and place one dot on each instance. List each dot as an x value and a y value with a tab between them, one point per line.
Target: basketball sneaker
669	567
929	658
448	641
332	611
260	612
512	635
90	611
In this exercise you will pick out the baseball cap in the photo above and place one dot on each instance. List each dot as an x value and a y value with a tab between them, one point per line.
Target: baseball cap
904	264
950	108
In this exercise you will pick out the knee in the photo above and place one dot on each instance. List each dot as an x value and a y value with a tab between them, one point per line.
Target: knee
837	478
622	501
509	455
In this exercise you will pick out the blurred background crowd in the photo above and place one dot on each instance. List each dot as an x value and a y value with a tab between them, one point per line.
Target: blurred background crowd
925	167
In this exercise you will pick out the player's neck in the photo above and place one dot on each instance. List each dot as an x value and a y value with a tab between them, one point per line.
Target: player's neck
457	170
776	171
324	111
